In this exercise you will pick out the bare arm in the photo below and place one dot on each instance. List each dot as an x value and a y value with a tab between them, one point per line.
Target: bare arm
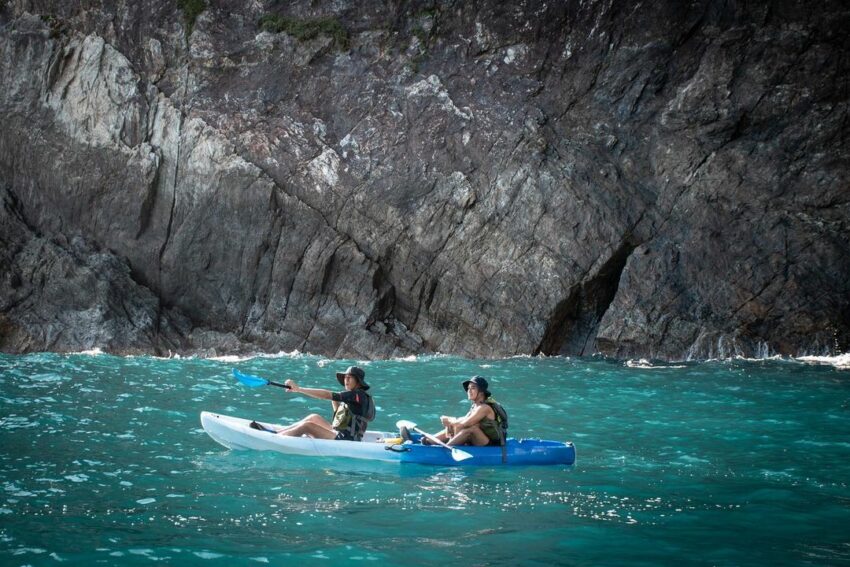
318	393
474	416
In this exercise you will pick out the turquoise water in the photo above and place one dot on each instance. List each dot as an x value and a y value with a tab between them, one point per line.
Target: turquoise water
103	461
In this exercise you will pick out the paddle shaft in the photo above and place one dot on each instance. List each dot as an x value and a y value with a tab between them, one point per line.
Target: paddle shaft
279	385
457	454
434	439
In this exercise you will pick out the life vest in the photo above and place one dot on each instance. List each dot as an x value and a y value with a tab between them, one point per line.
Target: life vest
501	425
355	425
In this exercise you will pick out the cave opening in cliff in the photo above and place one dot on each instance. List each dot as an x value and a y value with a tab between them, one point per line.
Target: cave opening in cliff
575	320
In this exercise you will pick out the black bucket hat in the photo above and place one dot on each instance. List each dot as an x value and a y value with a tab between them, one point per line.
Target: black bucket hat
355	371
480	382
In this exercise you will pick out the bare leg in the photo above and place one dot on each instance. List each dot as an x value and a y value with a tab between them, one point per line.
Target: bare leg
311	430
313	425
443	436
470	436
313	417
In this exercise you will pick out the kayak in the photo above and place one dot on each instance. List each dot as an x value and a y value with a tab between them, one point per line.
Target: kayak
237	434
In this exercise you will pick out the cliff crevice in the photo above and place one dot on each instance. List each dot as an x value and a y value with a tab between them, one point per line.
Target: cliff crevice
484	179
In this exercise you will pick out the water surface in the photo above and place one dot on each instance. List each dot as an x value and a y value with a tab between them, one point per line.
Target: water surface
103	461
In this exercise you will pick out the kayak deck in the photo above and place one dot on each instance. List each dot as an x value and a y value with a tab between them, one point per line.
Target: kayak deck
236	433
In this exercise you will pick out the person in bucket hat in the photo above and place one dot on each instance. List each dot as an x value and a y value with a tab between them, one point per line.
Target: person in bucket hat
353	409
479	426
357	373
480	383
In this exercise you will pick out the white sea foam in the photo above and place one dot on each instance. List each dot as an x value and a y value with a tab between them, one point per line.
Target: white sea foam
283	354
416	358
91	352
229	358
841	361
644	363
295	354
778	357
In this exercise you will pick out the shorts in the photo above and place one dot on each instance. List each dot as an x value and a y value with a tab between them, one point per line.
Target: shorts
344	436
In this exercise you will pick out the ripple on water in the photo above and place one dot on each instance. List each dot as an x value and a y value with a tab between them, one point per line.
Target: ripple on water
119	444
17	422
46	378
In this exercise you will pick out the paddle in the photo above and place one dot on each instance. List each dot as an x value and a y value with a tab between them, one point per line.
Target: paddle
255	381
457	454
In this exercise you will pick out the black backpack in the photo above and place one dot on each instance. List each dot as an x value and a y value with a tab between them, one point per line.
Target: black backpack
501	417
368	407
502	420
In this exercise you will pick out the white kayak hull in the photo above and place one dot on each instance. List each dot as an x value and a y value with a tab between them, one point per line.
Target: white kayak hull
236	433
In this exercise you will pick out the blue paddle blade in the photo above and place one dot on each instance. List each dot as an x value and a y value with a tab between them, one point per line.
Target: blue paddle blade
250	380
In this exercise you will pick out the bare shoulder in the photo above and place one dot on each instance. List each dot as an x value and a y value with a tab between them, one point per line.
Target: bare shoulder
483	411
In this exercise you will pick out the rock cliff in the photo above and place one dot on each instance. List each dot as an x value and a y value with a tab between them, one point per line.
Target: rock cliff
374	179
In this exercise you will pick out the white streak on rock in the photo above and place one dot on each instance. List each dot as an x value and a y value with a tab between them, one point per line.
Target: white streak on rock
432	86
325	168
513	52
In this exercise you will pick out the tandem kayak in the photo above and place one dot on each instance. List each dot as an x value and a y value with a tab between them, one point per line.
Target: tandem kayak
236	433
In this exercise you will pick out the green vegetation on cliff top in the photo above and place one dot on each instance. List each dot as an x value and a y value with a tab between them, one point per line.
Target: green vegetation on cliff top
303	30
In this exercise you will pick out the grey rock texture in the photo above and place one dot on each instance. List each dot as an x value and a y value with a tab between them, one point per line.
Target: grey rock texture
373	179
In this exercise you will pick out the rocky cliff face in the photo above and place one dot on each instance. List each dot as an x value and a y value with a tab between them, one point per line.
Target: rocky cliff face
373	179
